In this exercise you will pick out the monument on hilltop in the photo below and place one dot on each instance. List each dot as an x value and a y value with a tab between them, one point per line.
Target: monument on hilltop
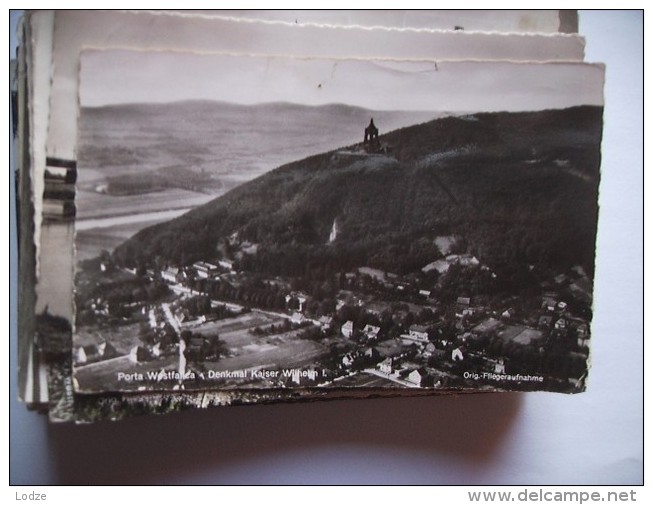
371	138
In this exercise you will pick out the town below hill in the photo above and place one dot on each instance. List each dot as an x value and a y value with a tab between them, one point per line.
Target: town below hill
455	254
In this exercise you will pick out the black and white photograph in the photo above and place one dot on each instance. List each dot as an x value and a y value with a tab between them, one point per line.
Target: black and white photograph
445	36
403	239
264	222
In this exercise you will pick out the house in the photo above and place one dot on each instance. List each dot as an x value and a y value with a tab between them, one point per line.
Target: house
560	324
467	260
462	337
418	333
441	266
428	350
549	305
107	350
495	365
186	322
348	359
151	318
139	353
170	274
347	329
463	300
325	322
425	293
386	366
417	377
457	354
371	354
95	352
156	350
226	264
297	318
508	313
545	322
205	270
86	353
371	332
296	300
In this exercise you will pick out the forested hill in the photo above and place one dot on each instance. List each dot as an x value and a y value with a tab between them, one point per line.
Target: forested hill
521	188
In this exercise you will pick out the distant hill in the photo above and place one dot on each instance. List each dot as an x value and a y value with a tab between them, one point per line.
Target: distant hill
232	142
521	188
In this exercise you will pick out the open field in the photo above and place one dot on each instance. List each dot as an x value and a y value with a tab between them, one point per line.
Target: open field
363	379
122	338
235	331
285	350
104	374
93	205
105	221
90	243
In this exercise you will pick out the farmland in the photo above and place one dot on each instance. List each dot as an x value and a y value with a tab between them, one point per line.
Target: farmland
244	351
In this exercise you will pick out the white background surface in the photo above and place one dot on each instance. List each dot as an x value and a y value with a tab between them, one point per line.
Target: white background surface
534	438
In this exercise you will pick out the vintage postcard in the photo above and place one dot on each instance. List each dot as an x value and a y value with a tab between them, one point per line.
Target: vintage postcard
361	224
75	29
34	61
56	173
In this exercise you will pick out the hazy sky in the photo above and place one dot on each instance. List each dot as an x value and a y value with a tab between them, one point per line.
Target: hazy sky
161	30
118	76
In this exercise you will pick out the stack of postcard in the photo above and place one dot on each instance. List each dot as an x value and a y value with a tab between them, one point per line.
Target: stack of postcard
237	207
